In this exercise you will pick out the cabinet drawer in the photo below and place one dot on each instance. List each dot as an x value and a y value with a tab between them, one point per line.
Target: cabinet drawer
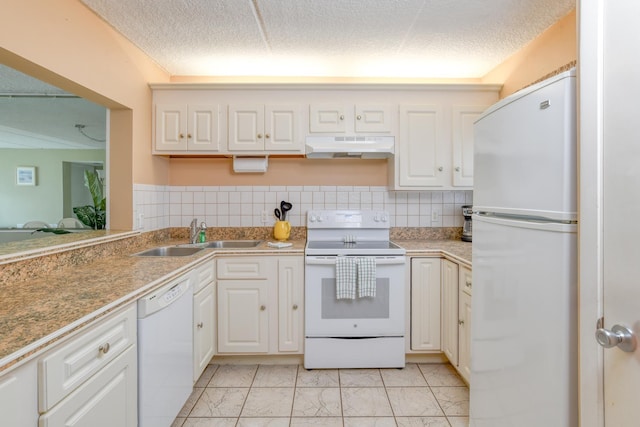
466	282
242	268
66	367
204	275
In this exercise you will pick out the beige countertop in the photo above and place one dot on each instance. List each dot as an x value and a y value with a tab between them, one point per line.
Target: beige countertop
37	312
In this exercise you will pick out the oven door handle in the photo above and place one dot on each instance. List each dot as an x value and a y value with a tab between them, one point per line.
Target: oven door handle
394	260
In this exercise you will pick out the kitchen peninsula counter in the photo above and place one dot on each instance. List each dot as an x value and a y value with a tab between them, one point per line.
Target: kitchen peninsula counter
38	311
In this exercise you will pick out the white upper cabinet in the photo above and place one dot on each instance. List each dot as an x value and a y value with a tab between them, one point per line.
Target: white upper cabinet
420	156
186	128
463	118
361	118
270	128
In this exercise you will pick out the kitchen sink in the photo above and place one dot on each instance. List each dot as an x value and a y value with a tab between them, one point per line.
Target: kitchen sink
225	244
170	251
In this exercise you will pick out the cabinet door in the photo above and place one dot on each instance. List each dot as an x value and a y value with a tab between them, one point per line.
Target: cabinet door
425	304
242	316
373	118
171	127
420	159
290	300
464	361
281	128
246	127
109	398
450	311
462	122
19	396
203	128
204	329
327	118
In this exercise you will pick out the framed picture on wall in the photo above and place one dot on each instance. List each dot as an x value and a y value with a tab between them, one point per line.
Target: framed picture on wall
26	175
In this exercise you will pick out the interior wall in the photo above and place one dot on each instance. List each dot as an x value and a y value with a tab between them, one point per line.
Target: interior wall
551	50
65	44
44	201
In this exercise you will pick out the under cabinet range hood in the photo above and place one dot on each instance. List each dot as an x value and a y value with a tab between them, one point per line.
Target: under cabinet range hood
349	147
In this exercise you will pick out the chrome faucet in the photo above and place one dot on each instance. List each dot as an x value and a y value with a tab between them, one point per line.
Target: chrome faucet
193	231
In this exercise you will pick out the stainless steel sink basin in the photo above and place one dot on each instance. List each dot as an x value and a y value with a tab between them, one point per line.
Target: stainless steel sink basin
232	244
169	251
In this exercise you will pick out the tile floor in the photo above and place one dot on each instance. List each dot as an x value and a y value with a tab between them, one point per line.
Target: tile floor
288	395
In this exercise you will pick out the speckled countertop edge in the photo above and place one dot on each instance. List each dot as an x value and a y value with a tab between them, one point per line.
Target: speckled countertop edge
88	292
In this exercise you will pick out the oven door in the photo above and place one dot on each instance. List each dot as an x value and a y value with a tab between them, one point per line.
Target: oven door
327	316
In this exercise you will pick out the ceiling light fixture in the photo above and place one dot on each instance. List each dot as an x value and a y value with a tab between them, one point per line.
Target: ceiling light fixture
81	130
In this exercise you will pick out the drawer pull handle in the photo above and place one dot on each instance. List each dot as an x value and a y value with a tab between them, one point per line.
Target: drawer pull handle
263	307
200	325
468	283
104	349
295	306
460	322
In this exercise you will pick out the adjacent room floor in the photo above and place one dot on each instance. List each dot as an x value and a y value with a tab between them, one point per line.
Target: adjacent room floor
288	395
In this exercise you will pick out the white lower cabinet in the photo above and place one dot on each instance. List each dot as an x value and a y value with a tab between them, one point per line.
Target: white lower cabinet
450	310
260	304
425	304
464	331
91	379
19	396
204	316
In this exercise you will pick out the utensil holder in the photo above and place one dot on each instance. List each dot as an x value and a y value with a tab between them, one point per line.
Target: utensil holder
281	230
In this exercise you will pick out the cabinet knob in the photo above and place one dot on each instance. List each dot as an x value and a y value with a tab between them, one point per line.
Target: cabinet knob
359	117
259	135
189	136
440	168
341	117
181	136
200	325
104	348
263	307
460	322
295	306
267	136
468	283
457	168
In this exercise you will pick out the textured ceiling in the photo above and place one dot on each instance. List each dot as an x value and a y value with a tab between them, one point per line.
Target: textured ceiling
356	38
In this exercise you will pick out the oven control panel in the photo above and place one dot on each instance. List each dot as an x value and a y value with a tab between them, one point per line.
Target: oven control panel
348	219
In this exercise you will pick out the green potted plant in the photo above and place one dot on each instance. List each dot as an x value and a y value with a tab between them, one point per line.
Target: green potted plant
93	216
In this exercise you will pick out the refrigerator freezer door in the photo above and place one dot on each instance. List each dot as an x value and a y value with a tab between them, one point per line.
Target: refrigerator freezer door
525	151
523	328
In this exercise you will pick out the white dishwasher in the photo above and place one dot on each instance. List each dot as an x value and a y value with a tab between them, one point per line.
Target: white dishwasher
165	352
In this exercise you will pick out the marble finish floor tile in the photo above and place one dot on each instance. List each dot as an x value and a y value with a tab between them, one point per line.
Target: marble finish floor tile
413	402
453	400
441	374
410	376
220	402
276	376
233	376
369	422
268	402
365	401
263	422
420	395
317	402
318	378
423	422
360	378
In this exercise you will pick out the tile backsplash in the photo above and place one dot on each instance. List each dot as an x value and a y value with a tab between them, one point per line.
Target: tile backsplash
157	206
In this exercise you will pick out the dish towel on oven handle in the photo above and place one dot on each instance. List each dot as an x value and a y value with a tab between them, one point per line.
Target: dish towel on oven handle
346	271
367	277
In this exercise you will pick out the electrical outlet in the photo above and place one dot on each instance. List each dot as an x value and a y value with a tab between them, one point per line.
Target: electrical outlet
140	221
434	216
264	217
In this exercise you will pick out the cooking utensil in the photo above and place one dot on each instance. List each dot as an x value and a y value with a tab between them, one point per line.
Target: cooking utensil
277	213
284	208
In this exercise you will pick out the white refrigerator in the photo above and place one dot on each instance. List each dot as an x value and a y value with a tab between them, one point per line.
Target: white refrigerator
524	337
